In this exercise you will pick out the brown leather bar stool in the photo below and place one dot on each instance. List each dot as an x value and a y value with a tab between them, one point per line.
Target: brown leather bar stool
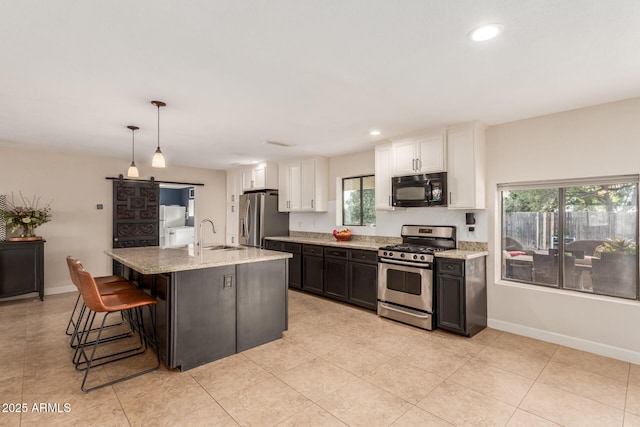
131	302
106	285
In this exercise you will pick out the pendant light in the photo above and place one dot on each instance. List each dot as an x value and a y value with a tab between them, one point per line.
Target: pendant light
133	170
158	158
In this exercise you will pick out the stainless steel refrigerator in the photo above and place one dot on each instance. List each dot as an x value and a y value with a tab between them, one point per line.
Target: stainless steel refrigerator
259	218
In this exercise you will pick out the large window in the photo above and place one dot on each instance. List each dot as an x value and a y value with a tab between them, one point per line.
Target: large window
359	200
590	225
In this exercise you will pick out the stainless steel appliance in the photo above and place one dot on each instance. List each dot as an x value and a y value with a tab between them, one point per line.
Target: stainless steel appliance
419	190
405	274
259	218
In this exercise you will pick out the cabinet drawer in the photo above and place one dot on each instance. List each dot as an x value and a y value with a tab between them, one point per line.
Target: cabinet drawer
336	253
312	250
273	245
294	248
369	257
451	267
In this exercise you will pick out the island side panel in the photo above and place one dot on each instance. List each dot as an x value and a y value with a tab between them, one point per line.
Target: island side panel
261	303
204	316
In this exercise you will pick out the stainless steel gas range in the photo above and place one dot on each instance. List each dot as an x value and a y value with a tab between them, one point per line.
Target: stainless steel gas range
405	274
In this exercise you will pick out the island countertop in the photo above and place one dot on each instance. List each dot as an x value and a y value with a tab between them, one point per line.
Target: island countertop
155	260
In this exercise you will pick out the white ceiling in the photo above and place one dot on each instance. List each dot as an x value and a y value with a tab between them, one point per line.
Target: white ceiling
318	74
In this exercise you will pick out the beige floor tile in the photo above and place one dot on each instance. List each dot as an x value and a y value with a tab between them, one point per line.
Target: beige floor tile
318	343
526	345
11	391
583	383
631	420
356	359
278	356
569	409
94	408
152	398
387	342
634	375
439	362
633	400
312	416
316	378
416	417
10	419
525	419
266	403
512	361
210	415
460	405
362	404
601	365
486	336
230	375
454	343
495	382
404	380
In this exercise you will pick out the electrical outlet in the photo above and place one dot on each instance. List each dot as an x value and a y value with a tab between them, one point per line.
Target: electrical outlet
228	281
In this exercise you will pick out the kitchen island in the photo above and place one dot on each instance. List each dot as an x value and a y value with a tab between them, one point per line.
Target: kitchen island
212	305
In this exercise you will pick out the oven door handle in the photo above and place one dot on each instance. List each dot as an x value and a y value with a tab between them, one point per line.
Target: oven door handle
422	316
427	266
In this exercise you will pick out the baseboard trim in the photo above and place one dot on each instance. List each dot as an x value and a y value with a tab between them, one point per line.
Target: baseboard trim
568	341
60	290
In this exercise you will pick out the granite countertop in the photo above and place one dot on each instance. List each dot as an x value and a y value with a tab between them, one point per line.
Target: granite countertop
364	245
154	260
461	254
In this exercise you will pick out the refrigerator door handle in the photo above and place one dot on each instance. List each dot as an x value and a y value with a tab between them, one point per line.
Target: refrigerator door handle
246	216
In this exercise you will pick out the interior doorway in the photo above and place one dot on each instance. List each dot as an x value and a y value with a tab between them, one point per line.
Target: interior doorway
177	215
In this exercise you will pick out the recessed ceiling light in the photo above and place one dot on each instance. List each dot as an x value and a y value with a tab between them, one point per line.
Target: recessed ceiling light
374	132
485	32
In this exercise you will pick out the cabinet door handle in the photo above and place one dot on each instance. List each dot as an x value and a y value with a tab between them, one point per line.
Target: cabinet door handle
450	198
233	208
419	162
413	164
389	200
311	203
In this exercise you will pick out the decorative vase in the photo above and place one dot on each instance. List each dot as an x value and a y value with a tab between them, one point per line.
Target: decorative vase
27	230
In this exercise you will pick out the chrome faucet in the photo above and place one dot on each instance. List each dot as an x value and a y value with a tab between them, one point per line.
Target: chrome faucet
200	232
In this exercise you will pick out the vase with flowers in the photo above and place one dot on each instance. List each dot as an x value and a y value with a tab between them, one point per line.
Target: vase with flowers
27	217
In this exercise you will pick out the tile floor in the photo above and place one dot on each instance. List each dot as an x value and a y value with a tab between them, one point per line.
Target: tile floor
337	365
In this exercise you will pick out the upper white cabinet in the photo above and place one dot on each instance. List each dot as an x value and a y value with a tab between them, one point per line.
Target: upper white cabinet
465	165
303	185
261	176
421	154
383	177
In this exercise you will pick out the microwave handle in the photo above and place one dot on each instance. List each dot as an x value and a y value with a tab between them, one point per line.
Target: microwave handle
430	193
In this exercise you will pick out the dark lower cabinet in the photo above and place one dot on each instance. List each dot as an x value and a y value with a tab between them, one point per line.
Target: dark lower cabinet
336	273
363	290
21	268
295	263
461	295
312	269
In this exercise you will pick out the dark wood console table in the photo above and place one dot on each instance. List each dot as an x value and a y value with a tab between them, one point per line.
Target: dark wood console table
21	268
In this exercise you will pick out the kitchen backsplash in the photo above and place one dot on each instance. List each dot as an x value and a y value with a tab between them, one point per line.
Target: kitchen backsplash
473	246
382	240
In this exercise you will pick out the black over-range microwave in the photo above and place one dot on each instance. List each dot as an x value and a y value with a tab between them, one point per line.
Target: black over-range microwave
419	190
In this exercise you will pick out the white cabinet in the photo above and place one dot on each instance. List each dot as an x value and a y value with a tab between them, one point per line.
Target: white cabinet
303	185
421	154
261	176
383	177
466	170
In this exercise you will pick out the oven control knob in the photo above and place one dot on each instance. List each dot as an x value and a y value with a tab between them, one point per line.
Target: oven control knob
401	255
390	253
422	257
384	253
415	257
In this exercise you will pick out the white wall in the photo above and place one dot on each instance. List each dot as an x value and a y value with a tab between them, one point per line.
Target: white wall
388	223
77	184
596	141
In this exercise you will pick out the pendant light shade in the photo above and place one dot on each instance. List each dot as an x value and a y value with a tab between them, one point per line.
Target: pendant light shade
158	157
133	170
